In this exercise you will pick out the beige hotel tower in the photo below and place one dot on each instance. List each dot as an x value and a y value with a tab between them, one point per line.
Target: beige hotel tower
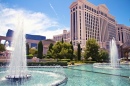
90	21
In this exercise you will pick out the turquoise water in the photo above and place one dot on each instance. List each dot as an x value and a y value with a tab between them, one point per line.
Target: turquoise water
78	76
84	75
40	77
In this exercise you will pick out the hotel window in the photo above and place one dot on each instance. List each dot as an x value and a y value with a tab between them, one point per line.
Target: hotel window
89	8
92	16
85	6
101	13
73	9
94	10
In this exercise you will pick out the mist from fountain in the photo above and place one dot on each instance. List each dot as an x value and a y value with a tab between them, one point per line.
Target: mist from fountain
114	61
18	63
18	72
114	53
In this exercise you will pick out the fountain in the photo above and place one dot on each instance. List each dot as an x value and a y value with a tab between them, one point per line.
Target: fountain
114	53
17	67
113	56
19	74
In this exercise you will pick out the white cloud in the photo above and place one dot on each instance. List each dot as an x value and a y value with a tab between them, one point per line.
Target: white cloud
34	22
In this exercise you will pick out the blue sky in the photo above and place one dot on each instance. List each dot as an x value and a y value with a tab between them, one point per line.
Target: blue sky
50	17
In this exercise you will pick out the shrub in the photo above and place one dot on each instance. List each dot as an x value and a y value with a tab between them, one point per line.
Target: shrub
67	60
90	61
47	63
30	56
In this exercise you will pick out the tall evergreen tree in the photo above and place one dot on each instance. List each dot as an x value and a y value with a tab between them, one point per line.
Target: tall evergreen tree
62	40
50	46
72	48
40	50
27	49
50	51
79	52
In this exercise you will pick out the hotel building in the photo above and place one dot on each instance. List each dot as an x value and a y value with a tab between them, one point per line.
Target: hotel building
65	35
90	21
123	33
123	40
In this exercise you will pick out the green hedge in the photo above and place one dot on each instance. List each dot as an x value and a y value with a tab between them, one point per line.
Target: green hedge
68	60
39	63
89	61
30	56
46	63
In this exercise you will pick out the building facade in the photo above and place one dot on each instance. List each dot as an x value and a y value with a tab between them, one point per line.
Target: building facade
65	35
46	44
123	33
124	40
29	37
90	21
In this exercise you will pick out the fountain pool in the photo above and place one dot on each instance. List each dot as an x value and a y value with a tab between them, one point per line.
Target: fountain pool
83	75
114	61
38	78
17	72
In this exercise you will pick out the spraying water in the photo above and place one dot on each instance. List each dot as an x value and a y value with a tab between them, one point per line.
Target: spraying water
18	63
18	72
114	63
114	53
